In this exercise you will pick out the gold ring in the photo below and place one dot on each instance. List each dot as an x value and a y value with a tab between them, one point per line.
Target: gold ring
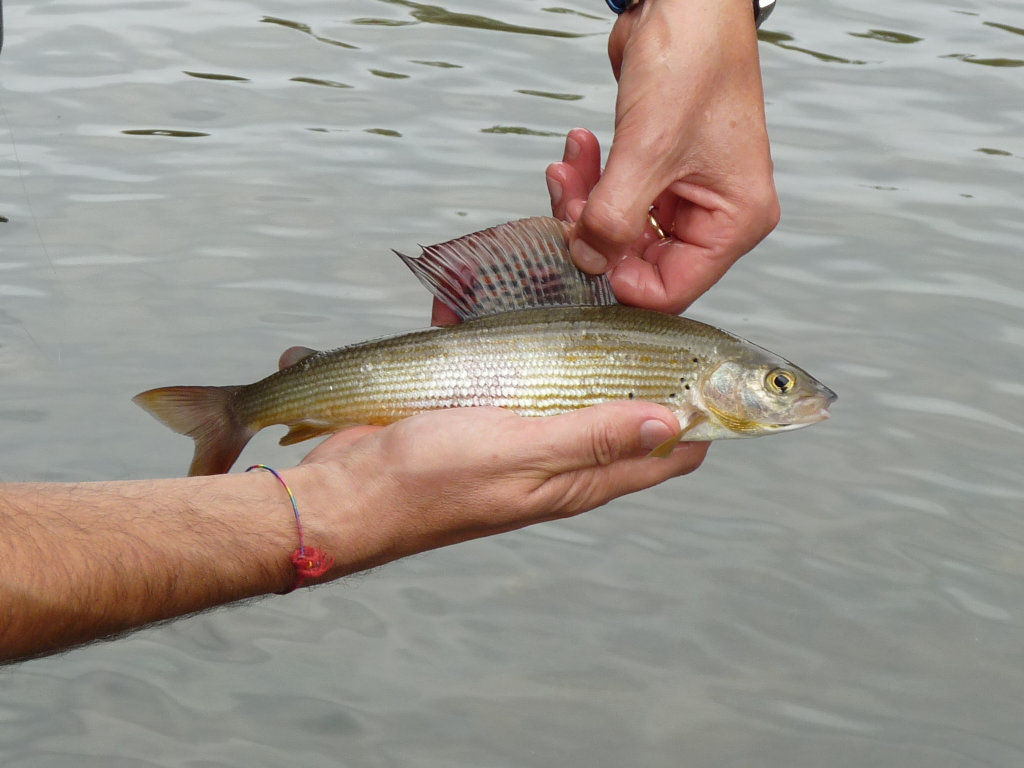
655	224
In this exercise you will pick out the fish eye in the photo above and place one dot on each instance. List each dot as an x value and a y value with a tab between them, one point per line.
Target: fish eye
781	381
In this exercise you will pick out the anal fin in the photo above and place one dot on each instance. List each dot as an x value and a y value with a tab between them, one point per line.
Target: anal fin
307	430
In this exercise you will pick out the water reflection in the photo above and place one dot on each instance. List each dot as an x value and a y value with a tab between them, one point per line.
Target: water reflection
319	81
164	132
549	95
216	76
435	14
887	36
987	62
785	41
1004	27
519	130
305	28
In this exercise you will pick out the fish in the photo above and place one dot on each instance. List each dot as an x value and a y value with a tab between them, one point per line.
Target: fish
537	336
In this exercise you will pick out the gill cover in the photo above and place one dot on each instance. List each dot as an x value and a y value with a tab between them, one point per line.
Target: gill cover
770	396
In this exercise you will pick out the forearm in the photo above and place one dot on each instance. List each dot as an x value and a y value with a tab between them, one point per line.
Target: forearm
84	561
680	62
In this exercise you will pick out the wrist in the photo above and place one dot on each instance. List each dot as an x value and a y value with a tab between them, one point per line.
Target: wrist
336	518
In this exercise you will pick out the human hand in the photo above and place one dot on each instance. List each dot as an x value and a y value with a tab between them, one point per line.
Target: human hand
690	139
447	476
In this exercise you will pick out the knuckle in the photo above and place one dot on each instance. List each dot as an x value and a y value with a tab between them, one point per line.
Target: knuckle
606	444
771	211
758	215
608	222
765	208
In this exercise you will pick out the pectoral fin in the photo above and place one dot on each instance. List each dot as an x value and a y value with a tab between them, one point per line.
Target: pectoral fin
690	421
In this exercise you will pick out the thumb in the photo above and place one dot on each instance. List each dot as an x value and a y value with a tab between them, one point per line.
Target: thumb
599	453
334	446
616	211
604	434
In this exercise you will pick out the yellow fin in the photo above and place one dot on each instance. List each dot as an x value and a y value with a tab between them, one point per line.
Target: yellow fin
664	450
307	430
206	415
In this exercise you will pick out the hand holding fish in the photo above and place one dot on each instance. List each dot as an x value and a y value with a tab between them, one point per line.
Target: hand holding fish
447	476
690	140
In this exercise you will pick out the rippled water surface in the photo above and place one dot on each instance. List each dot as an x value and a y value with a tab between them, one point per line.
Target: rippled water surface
188	188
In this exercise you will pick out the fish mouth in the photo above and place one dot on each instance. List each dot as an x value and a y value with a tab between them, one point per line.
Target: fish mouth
810	410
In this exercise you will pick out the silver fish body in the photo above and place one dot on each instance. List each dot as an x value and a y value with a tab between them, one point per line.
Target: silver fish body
536	362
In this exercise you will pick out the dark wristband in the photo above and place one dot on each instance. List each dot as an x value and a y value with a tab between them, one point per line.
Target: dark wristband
762	8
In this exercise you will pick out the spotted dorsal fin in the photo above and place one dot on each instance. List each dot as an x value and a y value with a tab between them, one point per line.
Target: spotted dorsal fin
523	264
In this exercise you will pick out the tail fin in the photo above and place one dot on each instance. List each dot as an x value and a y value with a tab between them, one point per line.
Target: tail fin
205	415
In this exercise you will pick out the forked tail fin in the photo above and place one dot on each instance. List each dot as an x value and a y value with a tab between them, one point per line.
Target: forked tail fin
205	415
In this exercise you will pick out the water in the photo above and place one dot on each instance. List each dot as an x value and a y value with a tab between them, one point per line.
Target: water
190	188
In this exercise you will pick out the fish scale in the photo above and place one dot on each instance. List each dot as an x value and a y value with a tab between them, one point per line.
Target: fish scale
535	362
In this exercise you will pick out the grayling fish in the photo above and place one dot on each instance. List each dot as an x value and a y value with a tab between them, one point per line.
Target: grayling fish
537	336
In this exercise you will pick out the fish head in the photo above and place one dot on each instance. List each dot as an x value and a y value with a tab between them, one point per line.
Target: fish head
763	395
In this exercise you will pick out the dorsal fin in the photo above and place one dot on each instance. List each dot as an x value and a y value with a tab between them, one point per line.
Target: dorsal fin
523	264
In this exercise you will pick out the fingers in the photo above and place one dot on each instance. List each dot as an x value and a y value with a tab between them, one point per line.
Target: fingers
564	187
441	314
615	214
570	181
709	233
670	277
583	153
599	486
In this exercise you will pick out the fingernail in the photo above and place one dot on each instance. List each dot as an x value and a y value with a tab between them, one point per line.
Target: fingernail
572	148
587	258
653	433
627	275
554	190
